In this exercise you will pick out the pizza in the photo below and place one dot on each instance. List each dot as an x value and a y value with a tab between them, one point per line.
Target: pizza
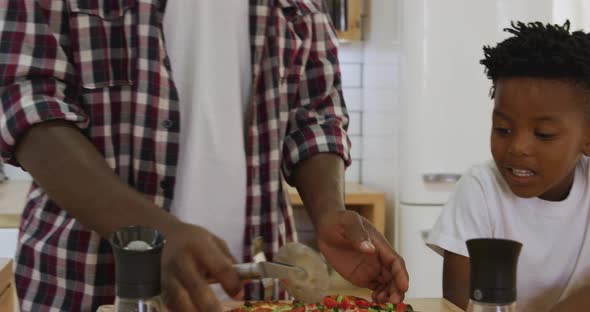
329	304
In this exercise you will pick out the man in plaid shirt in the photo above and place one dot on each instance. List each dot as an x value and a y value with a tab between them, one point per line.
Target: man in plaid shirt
90	110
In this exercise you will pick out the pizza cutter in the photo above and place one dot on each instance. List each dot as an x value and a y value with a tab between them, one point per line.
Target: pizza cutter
312	287
299	268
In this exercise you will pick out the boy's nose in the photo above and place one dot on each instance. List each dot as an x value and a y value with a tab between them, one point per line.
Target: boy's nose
520	145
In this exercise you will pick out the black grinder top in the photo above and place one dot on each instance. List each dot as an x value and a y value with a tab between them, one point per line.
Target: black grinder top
493	269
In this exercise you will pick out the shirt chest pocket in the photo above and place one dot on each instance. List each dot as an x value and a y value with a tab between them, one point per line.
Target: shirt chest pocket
102	40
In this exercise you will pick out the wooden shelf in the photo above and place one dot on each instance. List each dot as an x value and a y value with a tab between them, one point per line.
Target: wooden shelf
354	22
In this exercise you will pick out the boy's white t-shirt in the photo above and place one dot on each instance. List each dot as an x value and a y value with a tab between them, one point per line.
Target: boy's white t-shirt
208	43
555	257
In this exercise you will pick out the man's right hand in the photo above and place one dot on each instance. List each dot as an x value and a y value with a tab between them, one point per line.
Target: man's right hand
191	256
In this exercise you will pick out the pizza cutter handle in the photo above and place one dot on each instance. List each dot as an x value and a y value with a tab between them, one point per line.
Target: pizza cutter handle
246	271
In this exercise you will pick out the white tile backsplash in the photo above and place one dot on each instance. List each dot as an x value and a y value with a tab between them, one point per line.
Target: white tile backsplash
379	124
383	29
379	147
351	75
353	172
353	98
380	173
357	149
380	76
371	92
355	123
380	100
351	52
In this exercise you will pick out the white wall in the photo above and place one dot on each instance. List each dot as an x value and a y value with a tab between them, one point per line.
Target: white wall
370	81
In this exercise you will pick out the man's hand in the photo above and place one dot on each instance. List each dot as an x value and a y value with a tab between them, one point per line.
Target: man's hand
356	250
191	256
349	242
81	182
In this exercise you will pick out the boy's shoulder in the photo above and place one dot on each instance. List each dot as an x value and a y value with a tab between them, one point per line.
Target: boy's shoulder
484	173
486	179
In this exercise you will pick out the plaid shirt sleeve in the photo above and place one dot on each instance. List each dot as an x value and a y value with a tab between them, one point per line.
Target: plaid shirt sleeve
36	74
318	119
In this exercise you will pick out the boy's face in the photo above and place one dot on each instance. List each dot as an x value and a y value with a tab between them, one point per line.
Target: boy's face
539	131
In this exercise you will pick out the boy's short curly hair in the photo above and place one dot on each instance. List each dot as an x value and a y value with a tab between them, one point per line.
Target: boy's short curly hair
540	50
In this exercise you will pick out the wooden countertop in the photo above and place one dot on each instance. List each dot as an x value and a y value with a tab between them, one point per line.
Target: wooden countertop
12	201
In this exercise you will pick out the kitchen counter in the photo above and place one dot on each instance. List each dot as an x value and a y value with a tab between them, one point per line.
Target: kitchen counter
12	201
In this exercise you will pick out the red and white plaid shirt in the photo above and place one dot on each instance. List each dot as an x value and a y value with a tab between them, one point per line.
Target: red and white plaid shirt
102	65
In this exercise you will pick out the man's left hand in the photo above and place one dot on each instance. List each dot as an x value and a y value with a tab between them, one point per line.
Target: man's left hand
362	255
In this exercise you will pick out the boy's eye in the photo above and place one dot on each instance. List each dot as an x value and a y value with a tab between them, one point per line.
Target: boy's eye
502	131
545	136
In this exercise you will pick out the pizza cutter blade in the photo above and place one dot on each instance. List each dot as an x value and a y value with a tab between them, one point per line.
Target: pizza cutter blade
299	268
267	269
312	286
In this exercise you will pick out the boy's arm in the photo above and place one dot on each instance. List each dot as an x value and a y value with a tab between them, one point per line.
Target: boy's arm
578	301
456	276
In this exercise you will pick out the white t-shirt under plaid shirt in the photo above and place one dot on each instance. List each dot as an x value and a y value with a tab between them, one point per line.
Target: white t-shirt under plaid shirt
209	47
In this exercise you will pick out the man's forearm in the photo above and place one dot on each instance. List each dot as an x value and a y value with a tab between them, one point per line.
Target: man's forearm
577	302
320	183
76	176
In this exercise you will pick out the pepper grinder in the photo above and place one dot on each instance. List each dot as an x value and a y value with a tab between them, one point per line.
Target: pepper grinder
493	274
138	252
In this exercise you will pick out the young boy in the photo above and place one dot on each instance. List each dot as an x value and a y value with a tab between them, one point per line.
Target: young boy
537	189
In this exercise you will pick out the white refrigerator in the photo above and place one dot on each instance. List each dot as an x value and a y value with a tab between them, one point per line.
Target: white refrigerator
446	109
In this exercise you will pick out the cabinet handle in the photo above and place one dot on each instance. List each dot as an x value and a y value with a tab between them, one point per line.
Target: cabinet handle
441	177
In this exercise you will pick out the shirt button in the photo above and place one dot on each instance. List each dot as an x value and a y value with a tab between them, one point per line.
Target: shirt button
167	62
164	184
167	123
